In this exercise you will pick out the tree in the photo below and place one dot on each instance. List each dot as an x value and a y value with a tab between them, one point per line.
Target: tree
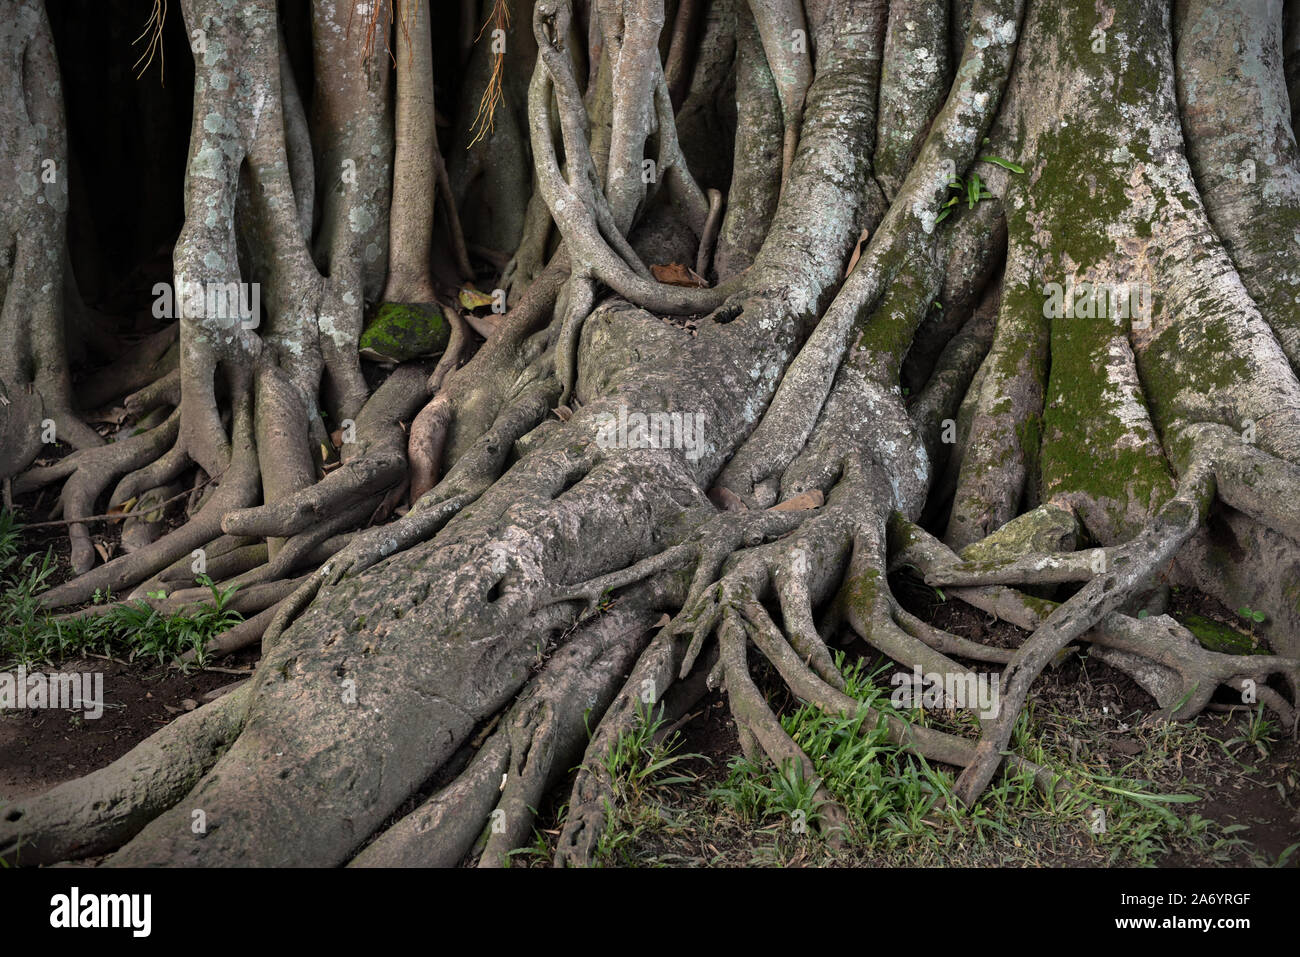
1001	291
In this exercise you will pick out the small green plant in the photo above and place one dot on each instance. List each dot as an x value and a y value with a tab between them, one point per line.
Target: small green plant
1260	733
643	760
972	189
31	635
1252	616
638	763
897	803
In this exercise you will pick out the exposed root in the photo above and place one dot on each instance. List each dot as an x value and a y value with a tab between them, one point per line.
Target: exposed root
104	809
371	464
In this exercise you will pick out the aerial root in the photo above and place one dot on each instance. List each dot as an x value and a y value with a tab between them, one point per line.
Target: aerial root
731	609
1040	569
236	488
650	690
165	391
106	808
582	296
161	471
751	711
468	479
306	547
96	469
147	361
579	207
424	450
1153	548
712	225
457	351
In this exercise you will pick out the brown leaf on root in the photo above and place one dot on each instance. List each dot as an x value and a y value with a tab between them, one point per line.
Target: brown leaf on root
675	274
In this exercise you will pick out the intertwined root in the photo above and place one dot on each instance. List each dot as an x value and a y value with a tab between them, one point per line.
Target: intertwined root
789	573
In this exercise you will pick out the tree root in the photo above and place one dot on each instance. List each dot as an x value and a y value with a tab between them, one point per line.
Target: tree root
106	808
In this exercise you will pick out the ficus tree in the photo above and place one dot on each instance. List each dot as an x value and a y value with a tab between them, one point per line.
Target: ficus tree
792	295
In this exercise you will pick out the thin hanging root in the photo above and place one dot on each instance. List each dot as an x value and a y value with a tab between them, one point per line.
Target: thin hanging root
582	296
106	808
458	247
677	70
581	211
779	22
712	224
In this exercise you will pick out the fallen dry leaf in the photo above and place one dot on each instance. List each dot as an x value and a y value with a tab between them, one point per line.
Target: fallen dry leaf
675	274
472	298
124	507
857	251
800	502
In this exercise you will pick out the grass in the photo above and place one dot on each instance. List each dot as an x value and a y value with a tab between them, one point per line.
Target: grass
1260	733
30	635
643	762
899	806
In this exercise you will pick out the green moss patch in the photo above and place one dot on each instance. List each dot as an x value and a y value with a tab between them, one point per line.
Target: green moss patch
1217	636
404	330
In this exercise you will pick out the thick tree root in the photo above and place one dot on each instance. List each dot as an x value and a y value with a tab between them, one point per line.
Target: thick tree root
104	809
